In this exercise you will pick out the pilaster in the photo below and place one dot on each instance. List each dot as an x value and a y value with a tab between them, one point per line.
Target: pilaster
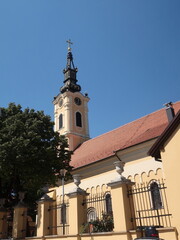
44	216
121	205
19	221
68	115
120	200
3	223
77	210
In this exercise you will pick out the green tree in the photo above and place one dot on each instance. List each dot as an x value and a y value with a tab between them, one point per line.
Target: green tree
31	153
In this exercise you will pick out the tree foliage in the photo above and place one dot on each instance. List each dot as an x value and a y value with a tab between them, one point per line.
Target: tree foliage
31	153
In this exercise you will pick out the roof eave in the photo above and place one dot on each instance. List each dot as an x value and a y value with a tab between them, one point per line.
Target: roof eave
112	155
158	145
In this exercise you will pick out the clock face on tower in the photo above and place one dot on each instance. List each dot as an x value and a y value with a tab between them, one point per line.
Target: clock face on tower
77	101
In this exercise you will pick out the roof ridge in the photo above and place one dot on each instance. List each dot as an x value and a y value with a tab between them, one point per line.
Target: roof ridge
140	130
145	116
115	129
136	130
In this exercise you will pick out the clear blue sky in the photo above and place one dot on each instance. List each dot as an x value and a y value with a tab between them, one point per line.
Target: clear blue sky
127	53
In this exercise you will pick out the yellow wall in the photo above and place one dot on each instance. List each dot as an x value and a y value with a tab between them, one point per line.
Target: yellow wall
68	109
140	169
171	162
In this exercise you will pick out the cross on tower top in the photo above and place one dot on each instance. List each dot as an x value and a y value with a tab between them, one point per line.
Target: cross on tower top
69	45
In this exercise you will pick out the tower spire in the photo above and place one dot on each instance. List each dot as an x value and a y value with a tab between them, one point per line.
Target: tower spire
70	73
71	106
70	63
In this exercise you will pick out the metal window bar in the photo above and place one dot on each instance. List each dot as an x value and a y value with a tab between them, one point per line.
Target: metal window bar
99	212
99	203
144	214
60	222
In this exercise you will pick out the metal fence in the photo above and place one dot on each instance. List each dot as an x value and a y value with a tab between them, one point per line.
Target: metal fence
99	215
59	223
98	205
149	205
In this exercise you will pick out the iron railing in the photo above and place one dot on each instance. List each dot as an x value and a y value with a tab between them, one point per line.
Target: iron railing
60	219
149	208
97	205
99	213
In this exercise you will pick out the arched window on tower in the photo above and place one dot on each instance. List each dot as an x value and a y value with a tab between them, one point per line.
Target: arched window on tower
155	195
78	119
108	203
60	121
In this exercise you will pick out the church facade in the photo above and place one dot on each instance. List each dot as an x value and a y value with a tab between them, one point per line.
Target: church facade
124	181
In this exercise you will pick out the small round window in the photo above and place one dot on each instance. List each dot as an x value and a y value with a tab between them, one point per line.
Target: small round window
77	101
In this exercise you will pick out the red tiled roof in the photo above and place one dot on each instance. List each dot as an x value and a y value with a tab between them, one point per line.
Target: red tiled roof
138	131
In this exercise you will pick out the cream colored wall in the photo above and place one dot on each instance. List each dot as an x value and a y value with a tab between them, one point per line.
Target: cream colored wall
69	109
96	177
75	134
94	236
146	165
171	162
168	233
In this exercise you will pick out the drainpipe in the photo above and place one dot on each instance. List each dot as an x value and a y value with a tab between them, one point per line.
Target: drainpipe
115	153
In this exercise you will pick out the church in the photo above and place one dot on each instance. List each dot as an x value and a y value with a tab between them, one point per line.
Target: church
124	181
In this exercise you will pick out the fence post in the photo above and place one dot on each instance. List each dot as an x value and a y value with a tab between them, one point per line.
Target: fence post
121	206
76	211
43	217
19	221
76	207
3	223
120	200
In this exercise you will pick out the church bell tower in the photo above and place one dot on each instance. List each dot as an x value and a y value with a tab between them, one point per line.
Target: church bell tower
71	107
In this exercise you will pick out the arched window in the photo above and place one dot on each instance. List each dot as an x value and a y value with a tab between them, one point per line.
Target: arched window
60	121
91	214
155	195
78	119
108	203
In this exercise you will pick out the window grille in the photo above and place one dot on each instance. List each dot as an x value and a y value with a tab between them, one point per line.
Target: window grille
108	203
91	214
148	204
155	196
63	213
